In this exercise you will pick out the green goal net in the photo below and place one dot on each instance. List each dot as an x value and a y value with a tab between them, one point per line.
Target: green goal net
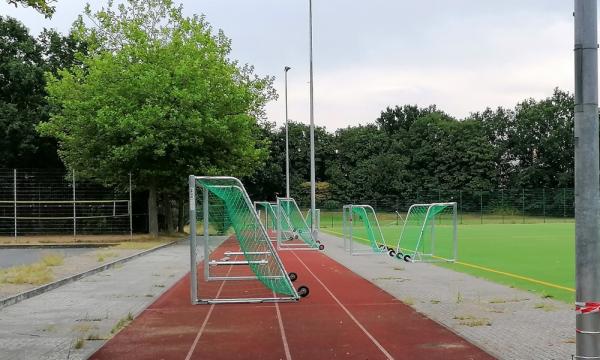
360	227
293	231
429	233
267	214
224	211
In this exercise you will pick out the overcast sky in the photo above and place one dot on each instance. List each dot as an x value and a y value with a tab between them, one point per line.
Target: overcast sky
462	55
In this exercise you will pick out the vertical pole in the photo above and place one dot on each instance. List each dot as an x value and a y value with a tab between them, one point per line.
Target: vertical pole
564	202
502	202
455	231
74	209
131	211
312	127
15	199
205	225
481	206
350	229
587	184
544	203
193	255
523	204
278	224
461	205
287	148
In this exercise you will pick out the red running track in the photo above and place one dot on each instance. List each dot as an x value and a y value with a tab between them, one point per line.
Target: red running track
344	317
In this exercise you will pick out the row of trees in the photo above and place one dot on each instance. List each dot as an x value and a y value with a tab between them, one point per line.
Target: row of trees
410	148
141	88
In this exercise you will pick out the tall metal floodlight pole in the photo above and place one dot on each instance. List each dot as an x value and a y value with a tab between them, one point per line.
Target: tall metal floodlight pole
313	206
587	183
287	146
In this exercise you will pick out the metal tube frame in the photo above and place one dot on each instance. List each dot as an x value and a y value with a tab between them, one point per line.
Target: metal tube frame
281	245
265	204
193	249
416	255
347	231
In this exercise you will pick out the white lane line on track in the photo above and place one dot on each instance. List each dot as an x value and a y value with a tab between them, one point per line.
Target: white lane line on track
286	347
212	306
371	337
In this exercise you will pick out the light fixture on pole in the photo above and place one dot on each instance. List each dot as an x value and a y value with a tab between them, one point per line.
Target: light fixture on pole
313	212
287	149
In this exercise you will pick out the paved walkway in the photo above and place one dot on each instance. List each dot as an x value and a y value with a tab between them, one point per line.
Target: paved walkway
507	322
48	326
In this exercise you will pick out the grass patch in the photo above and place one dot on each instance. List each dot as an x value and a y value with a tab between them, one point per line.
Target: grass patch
139	245
104	255
408	301
472	321
79	343
95	336
53	259
435	302
123	322
34	274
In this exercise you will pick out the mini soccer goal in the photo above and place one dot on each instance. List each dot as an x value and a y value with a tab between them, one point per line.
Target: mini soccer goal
235	246
268	217
361	231
429	233
293	233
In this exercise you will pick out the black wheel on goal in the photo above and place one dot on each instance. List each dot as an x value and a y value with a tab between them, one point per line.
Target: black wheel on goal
303	291
407	258
321	247
400	256
318	241
293	276
382	247
392	253
296	237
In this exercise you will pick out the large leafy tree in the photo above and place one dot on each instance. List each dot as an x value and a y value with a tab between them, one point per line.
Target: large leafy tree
156	96
23	61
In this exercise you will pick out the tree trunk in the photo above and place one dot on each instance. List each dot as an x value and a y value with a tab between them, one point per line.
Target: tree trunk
152	211
169	215
181	214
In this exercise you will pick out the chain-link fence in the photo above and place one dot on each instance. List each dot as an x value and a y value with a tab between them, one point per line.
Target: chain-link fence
52	202
503	206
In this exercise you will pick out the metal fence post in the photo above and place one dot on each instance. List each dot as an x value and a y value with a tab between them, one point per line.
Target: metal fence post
74	210
481	206
502	204
523	204
130	211
461	205
15	199
544	203
564	202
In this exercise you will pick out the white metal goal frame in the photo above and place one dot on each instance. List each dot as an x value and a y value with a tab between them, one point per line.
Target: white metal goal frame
287	231
348	232
270	208
271	254
428	224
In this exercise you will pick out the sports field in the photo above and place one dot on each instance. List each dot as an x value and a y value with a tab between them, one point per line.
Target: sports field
522	252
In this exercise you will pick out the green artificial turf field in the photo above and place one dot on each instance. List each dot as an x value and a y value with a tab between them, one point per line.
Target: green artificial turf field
538	257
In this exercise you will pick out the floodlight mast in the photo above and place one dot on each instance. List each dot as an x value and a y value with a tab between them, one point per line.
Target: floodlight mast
287	146
587	182
312	129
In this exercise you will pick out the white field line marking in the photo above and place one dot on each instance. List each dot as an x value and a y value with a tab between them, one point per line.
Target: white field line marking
286	347
383	350
212	306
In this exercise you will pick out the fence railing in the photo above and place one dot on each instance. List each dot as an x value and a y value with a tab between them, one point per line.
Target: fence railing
50	202
476	206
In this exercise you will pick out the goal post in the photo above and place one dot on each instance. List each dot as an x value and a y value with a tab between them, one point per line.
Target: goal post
268	217
429	233
360	225
235	247
293	233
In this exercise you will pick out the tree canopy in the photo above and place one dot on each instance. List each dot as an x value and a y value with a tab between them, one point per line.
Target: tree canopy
156	96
